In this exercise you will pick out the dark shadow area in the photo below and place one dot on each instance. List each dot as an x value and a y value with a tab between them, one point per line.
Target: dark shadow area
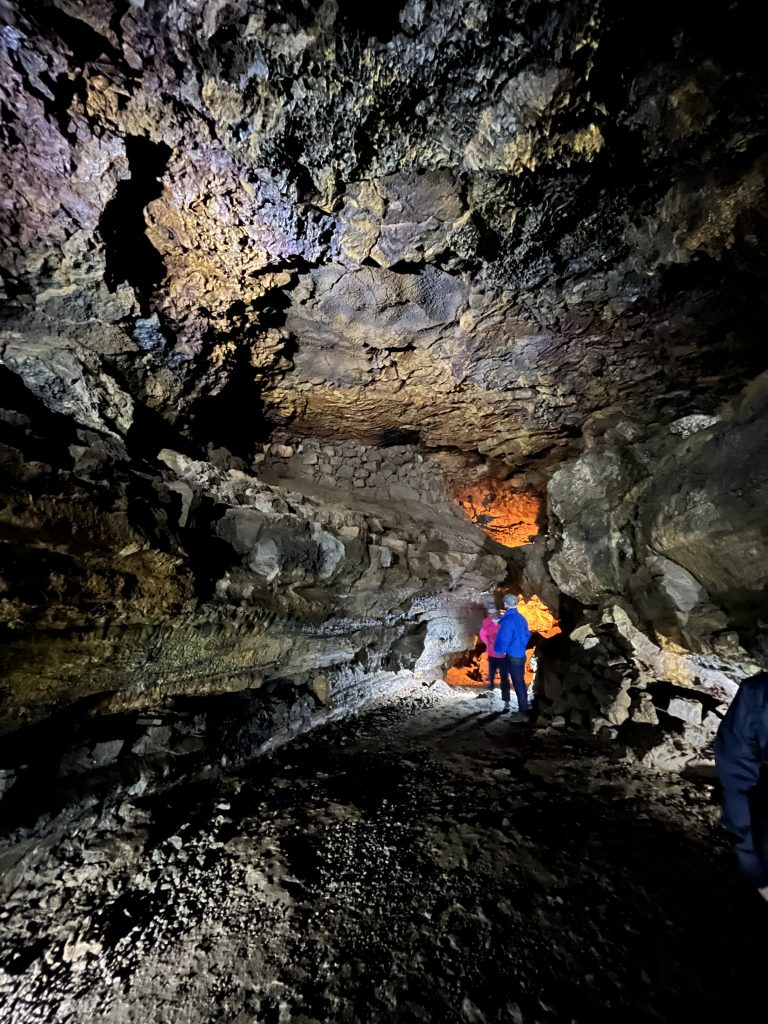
85	43
234	418
380	21
407	267
130	256
210	556
394	436
150	432
42	435
81	754
406	650
53	762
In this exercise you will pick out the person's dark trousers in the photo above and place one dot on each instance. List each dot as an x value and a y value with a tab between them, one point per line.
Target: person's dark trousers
517	671
504	677
495	665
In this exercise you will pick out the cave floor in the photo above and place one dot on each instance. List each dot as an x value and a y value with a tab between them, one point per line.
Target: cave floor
430	860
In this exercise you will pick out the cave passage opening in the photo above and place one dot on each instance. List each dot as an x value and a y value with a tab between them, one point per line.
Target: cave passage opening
513	514
469	668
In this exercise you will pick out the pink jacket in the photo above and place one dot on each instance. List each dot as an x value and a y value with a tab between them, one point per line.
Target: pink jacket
488	632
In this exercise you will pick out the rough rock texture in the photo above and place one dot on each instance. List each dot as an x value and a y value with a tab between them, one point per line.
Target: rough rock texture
395	472
484	238
664	707
663	537
178	577
482	222
375	873
675	520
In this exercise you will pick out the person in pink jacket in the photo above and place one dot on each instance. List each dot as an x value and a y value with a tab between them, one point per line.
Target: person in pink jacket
488	631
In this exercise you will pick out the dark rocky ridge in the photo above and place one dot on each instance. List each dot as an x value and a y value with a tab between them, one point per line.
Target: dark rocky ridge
478	238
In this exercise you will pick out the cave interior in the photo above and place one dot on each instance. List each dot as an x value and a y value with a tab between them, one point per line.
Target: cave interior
322	328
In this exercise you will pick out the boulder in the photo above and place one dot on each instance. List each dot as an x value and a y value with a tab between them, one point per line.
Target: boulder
70	381
156	738
686	710
705	507
643	711
590	501
107	751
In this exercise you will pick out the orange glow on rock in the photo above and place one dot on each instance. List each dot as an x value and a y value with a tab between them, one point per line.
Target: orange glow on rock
508	516
539	618
474	674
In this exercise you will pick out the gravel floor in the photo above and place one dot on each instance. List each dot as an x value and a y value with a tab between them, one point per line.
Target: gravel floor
432	860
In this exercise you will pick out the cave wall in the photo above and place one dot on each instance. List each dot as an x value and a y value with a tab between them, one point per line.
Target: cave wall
252	252
391	472
661	537
186	578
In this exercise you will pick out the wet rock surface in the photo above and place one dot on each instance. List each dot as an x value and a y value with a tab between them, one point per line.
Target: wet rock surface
433	859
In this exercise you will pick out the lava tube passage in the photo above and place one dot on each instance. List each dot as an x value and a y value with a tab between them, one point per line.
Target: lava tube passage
383	489
509	516
470	667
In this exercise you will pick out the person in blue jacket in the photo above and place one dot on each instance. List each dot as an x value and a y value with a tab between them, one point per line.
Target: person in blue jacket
741	754
511	641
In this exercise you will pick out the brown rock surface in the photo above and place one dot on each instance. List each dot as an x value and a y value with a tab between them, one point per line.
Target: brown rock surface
490	240
493	231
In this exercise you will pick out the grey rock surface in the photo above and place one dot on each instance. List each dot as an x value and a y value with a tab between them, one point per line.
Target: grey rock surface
682	537
374	871
277	277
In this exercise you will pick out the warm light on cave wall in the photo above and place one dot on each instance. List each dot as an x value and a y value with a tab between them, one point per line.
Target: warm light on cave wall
505	514
514	519
540	620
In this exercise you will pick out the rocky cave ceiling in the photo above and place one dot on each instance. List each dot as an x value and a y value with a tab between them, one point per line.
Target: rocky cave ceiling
474	224
428	252
323	324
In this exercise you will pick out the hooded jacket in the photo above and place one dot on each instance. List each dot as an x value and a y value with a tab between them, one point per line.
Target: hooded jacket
741	752
513	635
488	632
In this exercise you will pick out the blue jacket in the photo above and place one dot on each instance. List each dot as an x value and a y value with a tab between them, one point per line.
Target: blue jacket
513	634
741	750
